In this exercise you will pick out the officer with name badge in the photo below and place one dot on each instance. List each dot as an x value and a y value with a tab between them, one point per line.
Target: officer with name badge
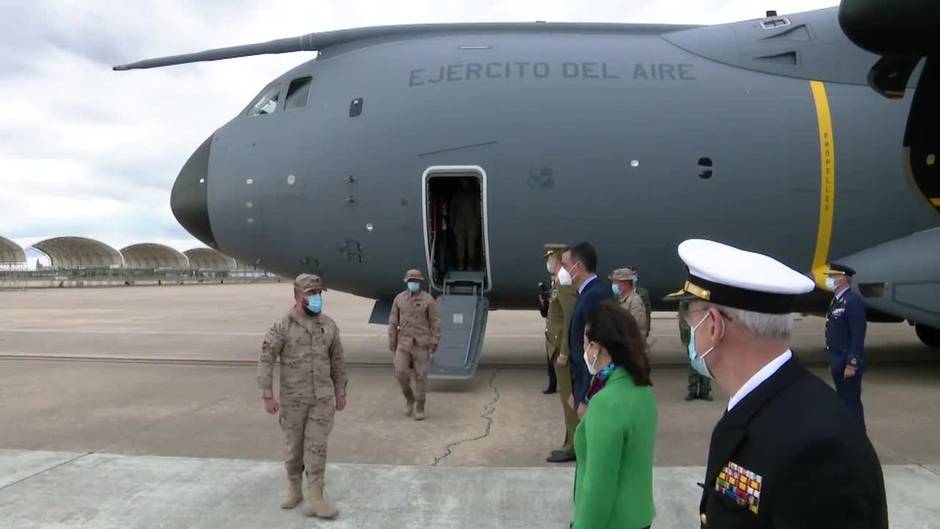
787	453
845	338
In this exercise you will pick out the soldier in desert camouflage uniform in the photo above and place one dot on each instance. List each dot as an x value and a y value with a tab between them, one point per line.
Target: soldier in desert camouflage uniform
414	330
312	387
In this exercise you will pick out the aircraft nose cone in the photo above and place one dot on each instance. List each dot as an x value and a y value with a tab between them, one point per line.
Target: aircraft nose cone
189	199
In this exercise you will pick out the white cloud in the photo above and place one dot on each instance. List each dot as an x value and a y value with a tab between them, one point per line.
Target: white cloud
87	151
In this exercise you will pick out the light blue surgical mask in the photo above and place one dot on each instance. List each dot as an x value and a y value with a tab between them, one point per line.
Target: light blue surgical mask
315	303
616	289
413	286
831	283
698	362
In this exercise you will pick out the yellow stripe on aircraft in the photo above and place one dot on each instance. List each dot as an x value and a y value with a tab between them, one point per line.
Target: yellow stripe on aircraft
827	184
935	201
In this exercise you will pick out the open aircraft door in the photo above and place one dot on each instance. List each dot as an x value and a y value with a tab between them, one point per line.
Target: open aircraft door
457	250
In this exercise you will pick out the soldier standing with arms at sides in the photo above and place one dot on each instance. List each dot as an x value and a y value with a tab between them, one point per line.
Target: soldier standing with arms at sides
558	319
846	323
414	330
465	214
700	387
623	287
313	386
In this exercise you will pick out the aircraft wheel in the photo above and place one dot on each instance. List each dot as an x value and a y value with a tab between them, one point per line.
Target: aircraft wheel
928	335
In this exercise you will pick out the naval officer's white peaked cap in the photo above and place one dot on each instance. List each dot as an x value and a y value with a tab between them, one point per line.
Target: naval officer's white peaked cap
736	278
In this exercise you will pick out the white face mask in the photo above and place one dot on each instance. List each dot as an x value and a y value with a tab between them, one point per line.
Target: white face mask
831	283
592	366
564	278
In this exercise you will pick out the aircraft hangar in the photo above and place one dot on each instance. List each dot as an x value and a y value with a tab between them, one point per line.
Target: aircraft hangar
155	256
12	256
79	252
209	259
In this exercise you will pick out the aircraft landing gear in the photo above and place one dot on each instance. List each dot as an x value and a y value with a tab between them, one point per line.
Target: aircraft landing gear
928	335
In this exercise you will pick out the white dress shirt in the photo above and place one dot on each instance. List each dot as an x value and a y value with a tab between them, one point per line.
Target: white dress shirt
765	372
586	283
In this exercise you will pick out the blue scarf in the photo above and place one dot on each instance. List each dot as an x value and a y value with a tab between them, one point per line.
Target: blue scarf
599	381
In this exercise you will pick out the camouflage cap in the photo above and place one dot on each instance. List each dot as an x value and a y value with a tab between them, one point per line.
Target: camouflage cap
554	249
413	275
623	274
308	282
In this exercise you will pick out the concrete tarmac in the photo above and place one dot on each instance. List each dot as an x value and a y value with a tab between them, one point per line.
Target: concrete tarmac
137	407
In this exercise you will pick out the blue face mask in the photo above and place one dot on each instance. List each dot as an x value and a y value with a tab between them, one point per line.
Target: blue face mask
315	303
616	289
698	362
413	286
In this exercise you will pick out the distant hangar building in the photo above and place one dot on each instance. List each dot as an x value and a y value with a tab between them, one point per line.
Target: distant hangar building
12	256
154	256
79	252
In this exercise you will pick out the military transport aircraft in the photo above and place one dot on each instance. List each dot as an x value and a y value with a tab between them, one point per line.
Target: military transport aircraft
777	134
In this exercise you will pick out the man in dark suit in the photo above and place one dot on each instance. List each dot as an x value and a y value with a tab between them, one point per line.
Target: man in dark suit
580	262
787	453
845	338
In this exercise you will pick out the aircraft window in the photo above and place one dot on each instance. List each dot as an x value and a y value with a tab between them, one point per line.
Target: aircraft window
297	93
266	102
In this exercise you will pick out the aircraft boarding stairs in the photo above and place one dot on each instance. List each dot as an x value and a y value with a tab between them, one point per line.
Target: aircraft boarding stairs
463	311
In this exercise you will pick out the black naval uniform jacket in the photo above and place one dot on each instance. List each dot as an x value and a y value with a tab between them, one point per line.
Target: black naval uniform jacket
790	454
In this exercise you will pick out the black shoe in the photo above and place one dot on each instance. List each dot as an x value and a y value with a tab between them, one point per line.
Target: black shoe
560	456
708	397
549	390
690	397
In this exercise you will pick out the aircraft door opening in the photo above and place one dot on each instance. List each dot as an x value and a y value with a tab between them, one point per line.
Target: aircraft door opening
457	250
455	227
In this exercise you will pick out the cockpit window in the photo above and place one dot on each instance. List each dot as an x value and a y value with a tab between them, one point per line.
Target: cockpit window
266	102
297	93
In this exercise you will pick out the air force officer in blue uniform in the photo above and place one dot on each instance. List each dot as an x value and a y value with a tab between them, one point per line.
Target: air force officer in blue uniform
845	338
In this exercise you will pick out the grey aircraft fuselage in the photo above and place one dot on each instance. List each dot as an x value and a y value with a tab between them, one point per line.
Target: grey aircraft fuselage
601	133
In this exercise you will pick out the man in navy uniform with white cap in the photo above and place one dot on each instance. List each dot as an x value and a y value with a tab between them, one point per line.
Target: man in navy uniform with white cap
787	452
845	338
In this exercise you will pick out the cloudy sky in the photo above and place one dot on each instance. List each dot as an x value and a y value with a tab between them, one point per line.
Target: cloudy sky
91	152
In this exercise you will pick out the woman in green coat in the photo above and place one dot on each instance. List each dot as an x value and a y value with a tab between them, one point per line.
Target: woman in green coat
615	439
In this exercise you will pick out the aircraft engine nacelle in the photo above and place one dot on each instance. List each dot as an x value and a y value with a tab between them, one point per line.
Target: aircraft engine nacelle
898	27
902	277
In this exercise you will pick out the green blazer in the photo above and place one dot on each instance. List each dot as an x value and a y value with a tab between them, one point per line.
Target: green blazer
614	444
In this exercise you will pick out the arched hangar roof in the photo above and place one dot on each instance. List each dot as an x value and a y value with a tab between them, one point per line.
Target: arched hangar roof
11	253
79	252
150	255
209	259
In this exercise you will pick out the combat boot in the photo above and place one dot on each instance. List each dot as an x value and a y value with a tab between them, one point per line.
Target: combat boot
317	504
409	403
295	494
419	415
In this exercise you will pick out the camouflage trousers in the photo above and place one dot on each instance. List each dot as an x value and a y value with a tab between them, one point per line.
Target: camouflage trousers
307	424
699	385
414	363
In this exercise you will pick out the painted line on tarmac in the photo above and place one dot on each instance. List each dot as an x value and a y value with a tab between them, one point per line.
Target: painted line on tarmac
218	333
144	360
